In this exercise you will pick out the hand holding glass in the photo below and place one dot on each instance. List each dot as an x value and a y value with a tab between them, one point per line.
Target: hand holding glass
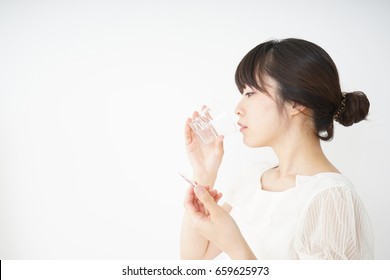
212	121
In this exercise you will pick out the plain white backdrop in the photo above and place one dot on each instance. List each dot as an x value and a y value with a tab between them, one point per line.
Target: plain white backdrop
93	99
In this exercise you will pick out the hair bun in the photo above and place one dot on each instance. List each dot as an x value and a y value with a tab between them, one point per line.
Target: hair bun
356	108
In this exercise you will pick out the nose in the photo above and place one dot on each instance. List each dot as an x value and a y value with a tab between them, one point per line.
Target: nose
238	109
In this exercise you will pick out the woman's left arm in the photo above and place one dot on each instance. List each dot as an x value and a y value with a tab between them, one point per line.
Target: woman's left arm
218	226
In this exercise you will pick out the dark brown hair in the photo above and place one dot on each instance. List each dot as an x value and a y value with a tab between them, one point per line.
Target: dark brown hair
306	75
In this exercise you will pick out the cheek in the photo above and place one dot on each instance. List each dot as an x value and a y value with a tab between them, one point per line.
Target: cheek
266	124
265	116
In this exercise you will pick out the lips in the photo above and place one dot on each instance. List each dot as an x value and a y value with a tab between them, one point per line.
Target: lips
242	127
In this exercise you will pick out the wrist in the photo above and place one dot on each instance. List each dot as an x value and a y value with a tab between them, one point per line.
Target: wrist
205	179
241	251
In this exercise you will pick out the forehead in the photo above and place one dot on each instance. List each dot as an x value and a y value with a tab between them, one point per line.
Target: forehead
267	85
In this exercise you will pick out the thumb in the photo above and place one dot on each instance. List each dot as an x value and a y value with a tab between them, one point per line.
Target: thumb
208	201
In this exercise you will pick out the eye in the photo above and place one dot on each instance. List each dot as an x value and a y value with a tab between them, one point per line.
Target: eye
249	94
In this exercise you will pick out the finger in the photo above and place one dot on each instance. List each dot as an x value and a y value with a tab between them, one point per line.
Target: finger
199	205
195	115
219	146
190	201
213	193
188	121
208	201
190	195
218	197
187	131
201	210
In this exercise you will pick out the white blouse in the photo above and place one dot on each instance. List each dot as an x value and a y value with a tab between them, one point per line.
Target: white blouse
321	217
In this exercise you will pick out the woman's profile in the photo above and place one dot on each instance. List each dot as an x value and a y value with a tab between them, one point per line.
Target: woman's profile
301	207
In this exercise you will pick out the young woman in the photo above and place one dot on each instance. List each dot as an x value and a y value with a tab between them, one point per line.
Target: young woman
302	207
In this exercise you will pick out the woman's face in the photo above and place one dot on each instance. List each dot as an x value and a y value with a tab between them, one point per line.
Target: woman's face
260	120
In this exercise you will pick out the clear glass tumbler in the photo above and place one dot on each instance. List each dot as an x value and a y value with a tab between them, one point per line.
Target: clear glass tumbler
213	121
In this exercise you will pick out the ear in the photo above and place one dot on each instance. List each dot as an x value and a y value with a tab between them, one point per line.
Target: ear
295	109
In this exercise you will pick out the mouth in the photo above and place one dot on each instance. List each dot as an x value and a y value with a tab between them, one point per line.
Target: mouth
242	127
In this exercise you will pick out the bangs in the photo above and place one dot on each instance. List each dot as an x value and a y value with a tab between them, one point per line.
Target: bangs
252	69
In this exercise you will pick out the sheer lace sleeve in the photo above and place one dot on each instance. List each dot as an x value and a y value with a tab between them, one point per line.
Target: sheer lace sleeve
335	225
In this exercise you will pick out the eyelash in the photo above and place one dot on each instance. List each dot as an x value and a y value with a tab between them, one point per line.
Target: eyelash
249	94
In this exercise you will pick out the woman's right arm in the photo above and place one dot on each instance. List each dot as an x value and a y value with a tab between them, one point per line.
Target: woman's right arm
216	225
192	244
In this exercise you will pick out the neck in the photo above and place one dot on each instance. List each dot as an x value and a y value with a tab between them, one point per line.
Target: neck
301	154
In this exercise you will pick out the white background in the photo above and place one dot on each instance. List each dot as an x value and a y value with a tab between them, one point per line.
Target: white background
94	95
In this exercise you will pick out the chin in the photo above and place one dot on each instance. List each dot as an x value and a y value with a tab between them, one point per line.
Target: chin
253	143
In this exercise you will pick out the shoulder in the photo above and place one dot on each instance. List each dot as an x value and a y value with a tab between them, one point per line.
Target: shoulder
334	223
326	182
331	194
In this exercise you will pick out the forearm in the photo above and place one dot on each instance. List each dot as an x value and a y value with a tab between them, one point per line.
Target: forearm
192	244
241	251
